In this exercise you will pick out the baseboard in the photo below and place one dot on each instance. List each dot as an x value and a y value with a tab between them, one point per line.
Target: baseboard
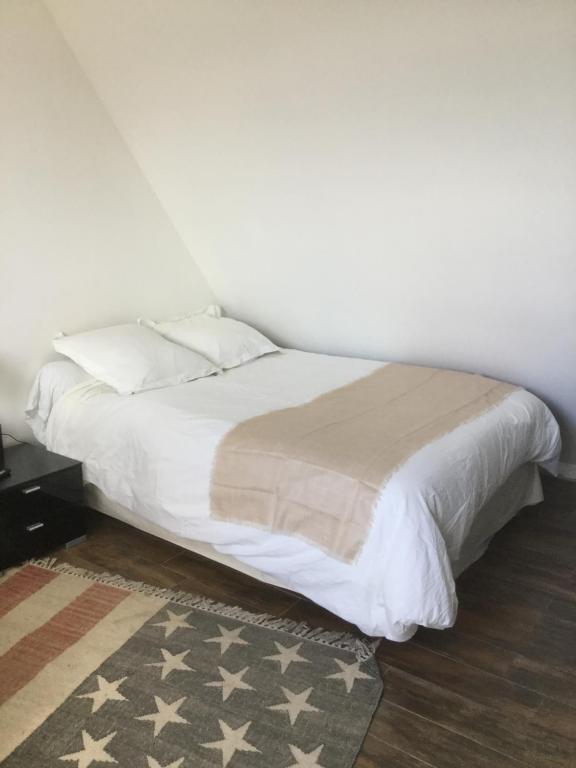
567	471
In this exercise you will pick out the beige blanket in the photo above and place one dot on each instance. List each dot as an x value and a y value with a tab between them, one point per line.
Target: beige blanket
316	470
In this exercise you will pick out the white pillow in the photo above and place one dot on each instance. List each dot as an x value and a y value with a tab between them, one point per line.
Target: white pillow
131	358
227	343
52	381
210	310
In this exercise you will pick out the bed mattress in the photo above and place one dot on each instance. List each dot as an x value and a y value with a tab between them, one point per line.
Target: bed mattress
153	453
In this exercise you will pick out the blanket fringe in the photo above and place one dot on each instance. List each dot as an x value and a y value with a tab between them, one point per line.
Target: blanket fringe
362	647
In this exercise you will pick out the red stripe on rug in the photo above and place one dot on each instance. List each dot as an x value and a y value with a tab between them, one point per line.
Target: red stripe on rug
22	585
30	655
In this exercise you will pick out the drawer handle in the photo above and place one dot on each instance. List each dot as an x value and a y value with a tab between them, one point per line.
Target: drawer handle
34	527
31	489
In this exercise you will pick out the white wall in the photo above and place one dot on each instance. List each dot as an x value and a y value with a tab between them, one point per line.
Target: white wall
375	177
83	239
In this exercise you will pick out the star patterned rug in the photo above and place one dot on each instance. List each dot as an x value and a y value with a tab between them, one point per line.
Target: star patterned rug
97	671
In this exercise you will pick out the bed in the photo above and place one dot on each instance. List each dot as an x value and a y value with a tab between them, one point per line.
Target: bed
148	460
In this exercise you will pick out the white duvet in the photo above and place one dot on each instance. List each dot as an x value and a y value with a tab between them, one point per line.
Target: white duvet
153	453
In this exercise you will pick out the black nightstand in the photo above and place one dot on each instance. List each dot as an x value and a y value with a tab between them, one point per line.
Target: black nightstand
41	504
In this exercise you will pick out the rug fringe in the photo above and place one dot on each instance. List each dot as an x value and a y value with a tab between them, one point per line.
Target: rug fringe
362	647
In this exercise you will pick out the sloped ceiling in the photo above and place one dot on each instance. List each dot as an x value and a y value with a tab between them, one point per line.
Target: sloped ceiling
394	179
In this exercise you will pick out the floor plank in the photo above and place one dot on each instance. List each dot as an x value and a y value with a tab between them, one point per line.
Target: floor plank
484	708
496	691
425	740
230	586
540	676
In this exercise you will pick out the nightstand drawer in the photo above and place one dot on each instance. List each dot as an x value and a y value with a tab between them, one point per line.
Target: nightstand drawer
35	534
26	504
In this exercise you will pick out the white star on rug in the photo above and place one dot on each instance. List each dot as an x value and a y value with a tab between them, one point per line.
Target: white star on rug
167	713
305	760
107	691
230	682
232	742
286	655
227	638
171	662
93	751
295	704
349	674
173	622
152	763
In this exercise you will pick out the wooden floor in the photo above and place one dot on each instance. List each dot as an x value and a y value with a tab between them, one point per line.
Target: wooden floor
497	691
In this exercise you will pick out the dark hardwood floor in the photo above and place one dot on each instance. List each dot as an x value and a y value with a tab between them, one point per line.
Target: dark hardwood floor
496	691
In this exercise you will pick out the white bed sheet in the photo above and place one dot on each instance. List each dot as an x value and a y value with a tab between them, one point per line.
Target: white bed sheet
153	453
